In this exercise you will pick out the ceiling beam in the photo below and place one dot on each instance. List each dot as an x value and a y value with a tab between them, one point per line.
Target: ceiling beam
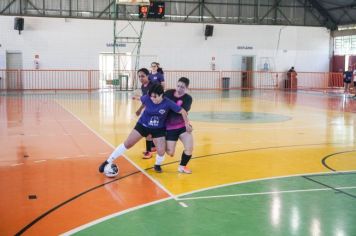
330	22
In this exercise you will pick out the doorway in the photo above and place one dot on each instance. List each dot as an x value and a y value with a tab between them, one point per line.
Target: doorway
120	74
247	63
13	65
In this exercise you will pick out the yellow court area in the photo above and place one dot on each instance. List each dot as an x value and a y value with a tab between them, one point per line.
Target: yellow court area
239	136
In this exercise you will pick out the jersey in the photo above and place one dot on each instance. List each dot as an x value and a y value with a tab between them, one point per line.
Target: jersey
145	89
347	76
155	115
156	78
175	120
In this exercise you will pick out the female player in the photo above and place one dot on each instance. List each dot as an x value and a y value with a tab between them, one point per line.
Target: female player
152	121
155	76
175	124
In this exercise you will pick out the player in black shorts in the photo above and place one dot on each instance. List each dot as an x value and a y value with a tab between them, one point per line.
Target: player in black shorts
175	126
347	79
146	84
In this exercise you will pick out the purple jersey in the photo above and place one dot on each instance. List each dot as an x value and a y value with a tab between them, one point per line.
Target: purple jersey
155	115
175	120
156	78
145	89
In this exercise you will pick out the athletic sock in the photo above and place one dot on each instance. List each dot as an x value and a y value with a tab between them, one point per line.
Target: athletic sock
159	159
116	153
148	145
185	159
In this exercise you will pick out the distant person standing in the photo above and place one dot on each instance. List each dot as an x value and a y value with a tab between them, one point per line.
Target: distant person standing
155	76
348	79
292	78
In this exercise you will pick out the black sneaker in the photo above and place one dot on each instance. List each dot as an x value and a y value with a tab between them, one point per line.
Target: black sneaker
158	168
102	166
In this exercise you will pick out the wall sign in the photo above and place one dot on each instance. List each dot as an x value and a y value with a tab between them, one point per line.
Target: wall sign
121	45
244	47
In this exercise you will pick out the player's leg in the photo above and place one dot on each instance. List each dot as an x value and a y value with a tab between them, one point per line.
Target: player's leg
171	147
171	141
148	153
188	143
136	134
160	143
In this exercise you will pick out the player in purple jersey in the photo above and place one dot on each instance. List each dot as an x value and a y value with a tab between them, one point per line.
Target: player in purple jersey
175	125
152	121
145	86
155	76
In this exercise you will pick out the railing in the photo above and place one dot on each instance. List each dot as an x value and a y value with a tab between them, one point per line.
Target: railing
127	80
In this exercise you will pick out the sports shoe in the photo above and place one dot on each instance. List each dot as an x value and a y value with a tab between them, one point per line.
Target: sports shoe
147	155
158	168
153	149
184	169
102	166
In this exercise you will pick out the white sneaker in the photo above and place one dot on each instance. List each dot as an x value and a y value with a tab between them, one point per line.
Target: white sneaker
184	169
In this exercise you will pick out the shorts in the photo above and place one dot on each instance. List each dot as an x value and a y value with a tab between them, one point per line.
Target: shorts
145	131
347	81
173	135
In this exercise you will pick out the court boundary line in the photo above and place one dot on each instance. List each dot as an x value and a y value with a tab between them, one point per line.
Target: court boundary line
108	217
323	161
266	193
177	199
113	147
263	179
328	186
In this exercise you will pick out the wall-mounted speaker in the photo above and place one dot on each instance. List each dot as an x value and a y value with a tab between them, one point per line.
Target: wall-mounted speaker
19	23
209	30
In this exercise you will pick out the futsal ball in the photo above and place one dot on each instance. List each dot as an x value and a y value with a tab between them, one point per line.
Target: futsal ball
111	170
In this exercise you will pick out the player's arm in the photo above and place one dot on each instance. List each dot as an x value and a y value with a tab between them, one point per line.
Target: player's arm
139	110
186	120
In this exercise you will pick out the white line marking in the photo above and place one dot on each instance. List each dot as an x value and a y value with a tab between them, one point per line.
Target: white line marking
39	161
265	193
18	164
261	179
73	231
128	159
103	153
183	204
63	157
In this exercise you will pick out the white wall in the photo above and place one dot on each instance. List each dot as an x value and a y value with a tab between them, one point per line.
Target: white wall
76	44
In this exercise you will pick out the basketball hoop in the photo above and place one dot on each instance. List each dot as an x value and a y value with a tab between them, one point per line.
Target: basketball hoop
133	2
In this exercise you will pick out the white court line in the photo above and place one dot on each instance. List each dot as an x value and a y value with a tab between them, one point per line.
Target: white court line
18	164
39	161
265	193
183	204
63	157
82	227
263	179
128	159
82	155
